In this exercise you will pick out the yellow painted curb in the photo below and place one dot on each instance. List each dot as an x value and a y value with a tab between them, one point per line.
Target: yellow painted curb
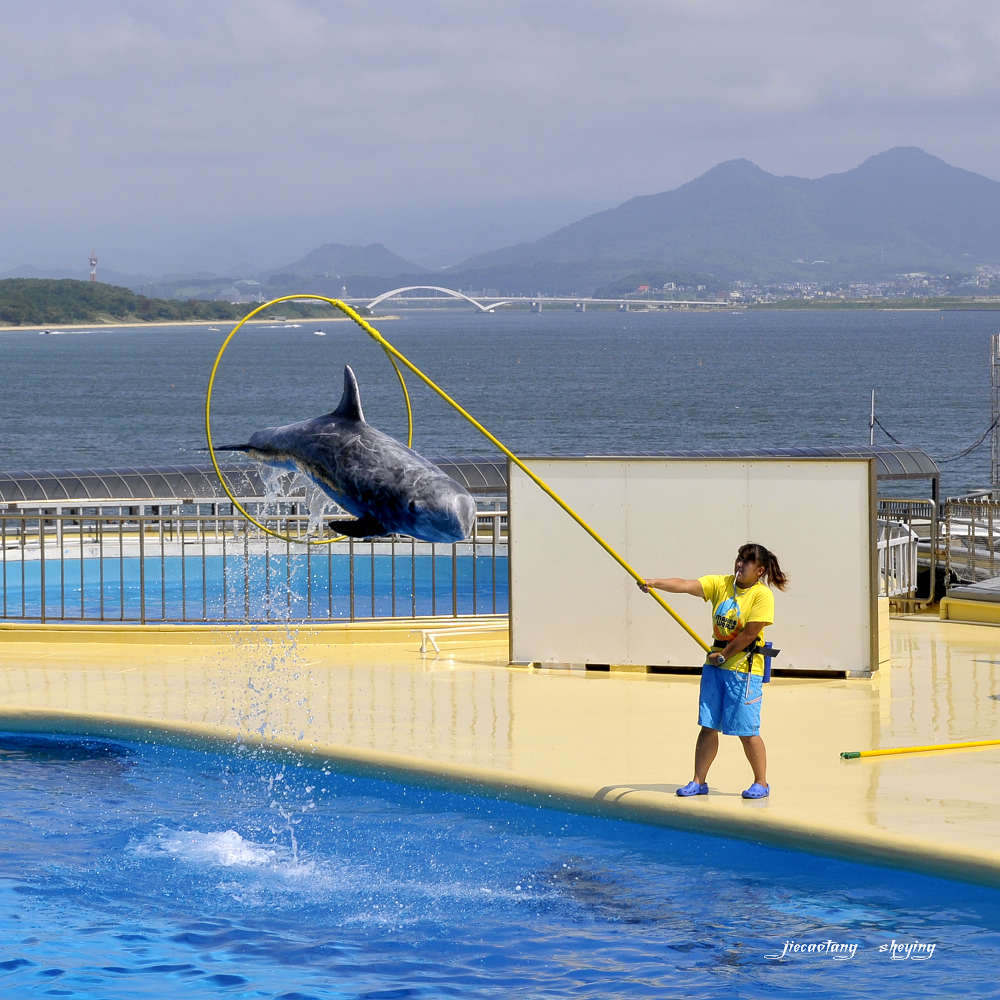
973	612
388	630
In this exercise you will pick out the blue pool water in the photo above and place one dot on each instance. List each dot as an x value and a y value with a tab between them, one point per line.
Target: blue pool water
133	871
257	588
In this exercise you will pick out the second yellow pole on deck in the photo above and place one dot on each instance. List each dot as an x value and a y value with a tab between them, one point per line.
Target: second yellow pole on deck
853	754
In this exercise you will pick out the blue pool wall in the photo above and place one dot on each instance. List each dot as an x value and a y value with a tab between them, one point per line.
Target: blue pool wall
257	587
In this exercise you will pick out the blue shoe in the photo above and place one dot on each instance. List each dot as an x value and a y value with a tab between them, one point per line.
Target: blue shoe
757	791
693	788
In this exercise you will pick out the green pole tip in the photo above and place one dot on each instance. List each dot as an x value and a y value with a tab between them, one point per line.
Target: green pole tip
849	754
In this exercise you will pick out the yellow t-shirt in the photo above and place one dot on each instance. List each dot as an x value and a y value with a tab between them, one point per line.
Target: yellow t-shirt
732	608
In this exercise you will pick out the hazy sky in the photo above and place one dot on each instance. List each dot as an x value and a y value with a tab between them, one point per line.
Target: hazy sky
183	135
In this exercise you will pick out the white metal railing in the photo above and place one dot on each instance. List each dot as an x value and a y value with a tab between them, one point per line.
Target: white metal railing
141	563
171	560
897	559
971	537
916	523
958	540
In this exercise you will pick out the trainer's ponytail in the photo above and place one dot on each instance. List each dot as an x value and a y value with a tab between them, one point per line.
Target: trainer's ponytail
766	558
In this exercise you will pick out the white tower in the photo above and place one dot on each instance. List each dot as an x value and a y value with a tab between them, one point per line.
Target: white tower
93	266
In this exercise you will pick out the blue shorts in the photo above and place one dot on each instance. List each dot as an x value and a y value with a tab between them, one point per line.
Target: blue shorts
723	701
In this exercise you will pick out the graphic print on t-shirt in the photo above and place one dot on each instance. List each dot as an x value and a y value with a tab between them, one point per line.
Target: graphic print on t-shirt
726	618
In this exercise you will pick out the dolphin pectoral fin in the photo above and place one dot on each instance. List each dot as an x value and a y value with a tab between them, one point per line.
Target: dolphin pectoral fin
363	527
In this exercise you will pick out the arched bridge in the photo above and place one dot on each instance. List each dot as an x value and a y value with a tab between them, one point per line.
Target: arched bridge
435	288
537	301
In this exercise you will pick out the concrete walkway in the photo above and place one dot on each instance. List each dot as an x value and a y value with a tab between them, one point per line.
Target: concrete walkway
619	742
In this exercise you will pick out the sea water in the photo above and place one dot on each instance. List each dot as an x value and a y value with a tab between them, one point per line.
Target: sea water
133	871
559	382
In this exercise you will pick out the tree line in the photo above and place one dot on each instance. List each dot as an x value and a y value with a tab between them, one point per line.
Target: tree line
52	302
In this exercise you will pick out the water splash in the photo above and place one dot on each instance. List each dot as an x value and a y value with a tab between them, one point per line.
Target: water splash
247	865
290	806
283	485
276	484
320	508
226	849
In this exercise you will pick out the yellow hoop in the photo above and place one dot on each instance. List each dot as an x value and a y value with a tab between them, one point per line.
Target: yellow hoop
336	303
394	356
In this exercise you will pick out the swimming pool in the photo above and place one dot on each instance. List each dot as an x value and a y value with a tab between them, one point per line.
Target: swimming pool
132	870
255	587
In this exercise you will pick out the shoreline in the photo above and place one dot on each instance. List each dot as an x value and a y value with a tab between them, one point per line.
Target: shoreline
220	323
87	327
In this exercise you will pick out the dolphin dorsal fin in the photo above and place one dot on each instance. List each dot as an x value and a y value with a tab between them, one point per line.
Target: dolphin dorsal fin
349	407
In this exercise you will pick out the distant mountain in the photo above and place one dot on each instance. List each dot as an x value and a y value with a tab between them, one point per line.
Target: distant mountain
899	211
325	270
336	260
902	210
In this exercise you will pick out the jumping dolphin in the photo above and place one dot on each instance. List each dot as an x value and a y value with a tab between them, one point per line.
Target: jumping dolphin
388	487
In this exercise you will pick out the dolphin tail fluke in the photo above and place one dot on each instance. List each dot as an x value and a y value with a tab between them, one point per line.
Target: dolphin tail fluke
363	527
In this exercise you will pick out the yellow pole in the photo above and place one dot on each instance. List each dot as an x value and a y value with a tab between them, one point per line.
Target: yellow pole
390	350
851	754
542	485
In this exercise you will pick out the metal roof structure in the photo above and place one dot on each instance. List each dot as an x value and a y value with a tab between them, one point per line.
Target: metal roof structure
180	483
891	462
174	482
480	476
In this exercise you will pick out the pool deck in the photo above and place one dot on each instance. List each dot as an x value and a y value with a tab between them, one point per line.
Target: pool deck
618	742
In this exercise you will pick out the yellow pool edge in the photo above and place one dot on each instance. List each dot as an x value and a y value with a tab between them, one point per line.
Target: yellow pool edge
958	609
862	846
380	630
